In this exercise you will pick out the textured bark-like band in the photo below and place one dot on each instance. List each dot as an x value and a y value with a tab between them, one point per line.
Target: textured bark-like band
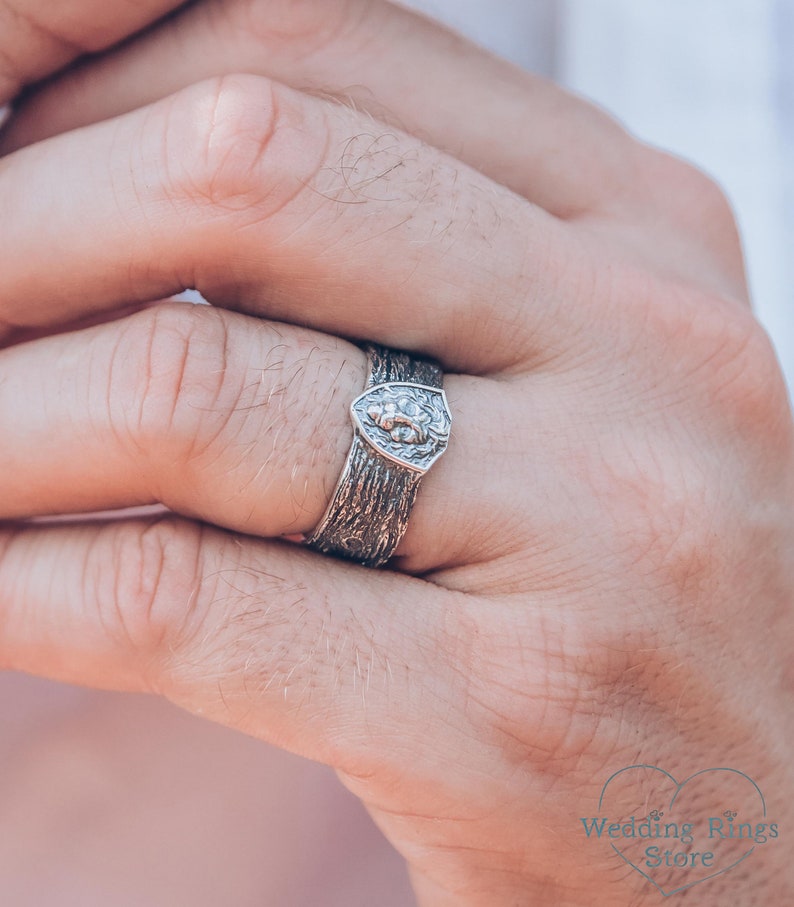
369	510
387	365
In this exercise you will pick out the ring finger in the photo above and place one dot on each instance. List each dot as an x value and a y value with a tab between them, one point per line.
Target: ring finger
219	416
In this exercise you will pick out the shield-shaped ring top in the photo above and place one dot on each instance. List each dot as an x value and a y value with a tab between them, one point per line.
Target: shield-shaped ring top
404	422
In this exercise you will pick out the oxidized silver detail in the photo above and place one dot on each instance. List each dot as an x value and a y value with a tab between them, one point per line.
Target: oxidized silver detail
401	426
408	423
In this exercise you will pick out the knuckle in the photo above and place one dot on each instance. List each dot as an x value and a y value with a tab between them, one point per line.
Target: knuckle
222	129
674	484
666	515
684	480
746	381
168	381
715	356
730	365
713	204
151	584
690	199
299	27
708	198
696	189
226	141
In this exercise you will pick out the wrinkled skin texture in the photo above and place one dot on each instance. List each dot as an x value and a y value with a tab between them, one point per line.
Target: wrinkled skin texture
599	571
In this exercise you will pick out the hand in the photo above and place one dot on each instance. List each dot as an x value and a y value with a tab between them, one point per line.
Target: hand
597	573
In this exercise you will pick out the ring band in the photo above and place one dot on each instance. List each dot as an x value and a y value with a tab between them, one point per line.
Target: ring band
401	426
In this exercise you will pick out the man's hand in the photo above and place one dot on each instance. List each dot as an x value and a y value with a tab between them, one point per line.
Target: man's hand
598	573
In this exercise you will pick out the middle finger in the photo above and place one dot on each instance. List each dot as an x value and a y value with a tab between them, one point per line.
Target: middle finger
298	208
562	153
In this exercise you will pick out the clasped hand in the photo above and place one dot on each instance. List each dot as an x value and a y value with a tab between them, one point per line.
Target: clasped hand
599	571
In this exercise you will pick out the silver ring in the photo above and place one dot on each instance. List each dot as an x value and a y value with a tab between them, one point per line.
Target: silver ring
401	426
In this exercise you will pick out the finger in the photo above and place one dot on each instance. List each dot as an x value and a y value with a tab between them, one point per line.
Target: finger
562	153
554	149
237	422
281	204
38	37
326	659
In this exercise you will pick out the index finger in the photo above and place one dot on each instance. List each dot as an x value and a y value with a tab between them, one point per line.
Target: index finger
39	37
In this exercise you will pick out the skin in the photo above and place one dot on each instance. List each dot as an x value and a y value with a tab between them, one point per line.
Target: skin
599	571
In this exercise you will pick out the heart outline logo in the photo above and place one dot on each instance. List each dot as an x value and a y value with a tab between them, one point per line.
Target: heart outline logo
678	787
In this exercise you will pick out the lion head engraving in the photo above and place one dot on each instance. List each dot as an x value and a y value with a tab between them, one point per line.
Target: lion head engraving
404	420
